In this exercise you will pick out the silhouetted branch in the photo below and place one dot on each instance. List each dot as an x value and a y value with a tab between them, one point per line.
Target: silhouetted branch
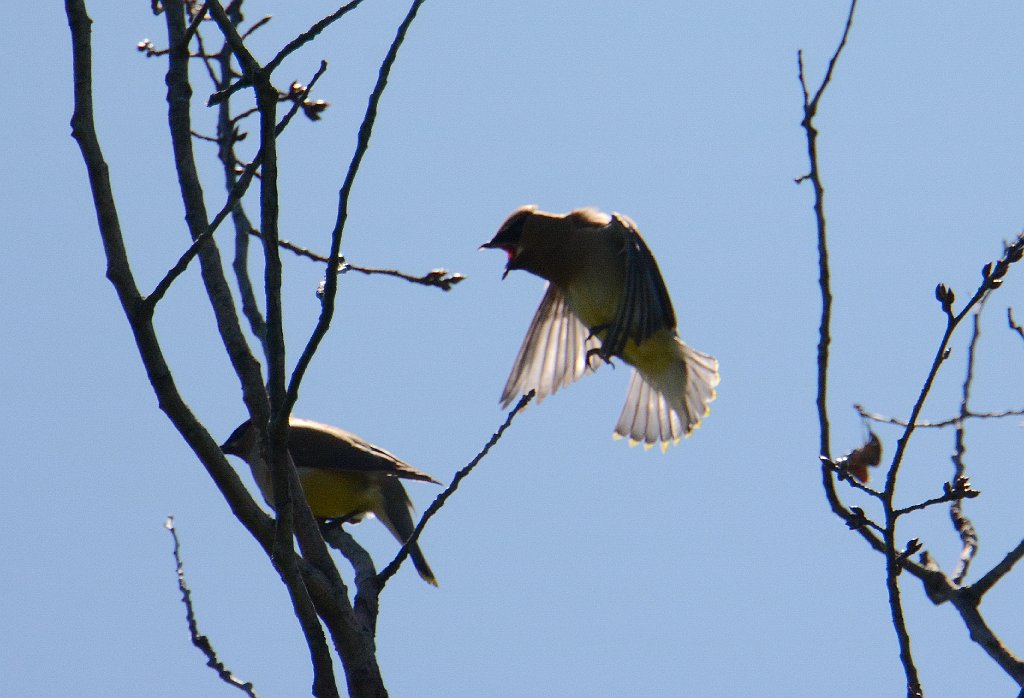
201	641
327	298
893	565
845	475
810	108
284	556
942	424
961	524
955	491
120	274
317	592
992	276
437	278
234	196
288	49
967	606
1013	325
981	587
938	587
258	24
438	502
340	539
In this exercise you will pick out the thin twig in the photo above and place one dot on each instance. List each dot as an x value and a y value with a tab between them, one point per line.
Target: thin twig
256	25
228	133
961	524
893	565
284	555
981	587
979	631
288	49
439	501
810	107
327	299
951	422
237	192
992	276
193	27
201	641
1013	325
853	481
952	493
438	278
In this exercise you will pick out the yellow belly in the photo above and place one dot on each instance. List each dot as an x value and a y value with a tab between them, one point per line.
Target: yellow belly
332	494
595	305
655	355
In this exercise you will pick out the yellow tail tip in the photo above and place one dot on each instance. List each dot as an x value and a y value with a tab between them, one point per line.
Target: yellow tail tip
647	445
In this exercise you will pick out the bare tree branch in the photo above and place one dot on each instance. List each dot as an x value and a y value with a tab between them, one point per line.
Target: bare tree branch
327	299
893	566
293	515
810	108
942	424
293	45
437	278
389	571
201	641
982	586
961	524
956	491
121	277
983	636
1013	325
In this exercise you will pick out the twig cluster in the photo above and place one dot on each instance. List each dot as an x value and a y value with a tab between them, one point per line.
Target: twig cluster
319	596
881	536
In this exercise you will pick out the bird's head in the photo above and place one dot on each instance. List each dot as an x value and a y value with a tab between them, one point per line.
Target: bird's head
240	442
509	237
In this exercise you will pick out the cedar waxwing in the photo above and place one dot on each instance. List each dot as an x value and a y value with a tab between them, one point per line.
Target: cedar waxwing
342	476
605	298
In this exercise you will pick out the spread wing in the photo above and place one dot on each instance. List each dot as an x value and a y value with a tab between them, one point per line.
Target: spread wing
554	352
645	306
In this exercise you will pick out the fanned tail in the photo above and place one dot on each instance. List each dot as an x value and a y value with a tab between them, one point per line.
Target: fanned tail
666	407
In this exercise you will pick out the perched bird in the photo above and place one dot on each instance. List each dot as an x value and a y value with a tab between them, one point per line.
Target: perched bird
605	298
342	476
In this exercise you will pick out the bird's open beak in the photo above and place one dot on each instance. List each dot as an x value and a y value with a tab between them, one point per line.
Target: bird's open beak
497	246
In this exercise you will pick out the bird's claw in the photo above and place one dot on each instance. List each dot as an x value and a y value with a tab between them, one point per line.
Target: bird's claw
599	353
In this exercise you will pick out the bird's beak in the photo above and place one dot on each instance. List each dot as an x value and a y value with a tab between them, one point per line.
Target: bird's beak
492	245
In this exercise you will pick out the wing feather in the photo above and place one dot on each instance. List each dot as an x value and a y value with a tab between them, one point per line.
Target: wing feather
553	353
645	306
327	447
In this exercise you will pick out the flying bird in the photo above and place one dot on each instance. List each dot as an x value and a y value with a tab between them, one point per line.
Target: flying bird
605	298
342	476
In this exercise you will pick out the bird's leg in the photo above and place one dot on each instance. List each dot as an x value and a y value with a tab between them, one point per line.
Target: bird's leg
599	352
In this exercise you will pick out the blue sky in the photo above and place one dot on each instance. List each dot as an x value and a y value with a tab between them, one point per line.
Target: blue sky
569	564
